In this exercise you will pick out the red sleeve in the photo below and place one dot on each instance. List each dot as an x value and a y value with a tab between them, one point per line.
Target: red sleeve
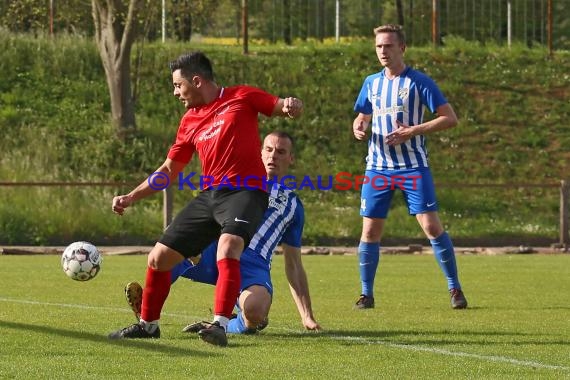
182	149
264	102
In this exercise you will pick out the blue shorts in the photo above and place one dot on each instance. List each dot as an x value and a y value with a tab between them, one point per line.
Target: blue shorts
254	269
380	185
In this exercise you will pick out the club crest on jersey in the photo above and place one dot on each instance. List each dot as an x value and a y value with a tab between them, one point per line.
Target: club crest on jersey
277	203
403	93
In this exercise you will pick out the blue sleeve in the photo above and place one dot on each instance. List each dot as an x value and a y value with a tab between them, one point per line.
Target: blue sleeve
431	95
294	232
363	104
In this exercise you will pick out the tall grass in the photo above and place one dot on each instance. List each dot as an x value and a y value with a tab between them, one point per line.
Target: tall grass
479	216
56	215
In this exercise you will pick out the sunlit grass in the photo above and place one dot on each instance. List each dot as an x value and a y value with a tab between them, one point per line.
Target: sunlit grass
517	325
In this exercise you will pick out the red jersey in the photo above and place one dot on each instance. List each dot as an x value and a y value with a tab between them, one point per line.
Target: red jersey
226	136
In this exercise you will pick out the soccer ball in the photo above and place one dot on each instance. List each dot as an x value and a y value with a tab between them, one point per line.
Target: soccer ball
81	261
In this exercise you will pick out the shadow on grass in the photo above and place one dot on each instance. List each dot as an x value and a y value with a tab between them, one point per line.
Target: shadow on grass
82	335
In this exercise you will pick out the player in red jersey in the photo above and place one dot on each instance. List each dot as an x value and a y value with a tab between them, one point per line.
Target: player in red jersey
221	125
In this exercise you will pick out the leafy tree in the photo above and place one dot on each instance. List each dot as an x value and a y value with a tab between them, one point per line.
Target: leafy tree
25	16
73	17
273	20
185	17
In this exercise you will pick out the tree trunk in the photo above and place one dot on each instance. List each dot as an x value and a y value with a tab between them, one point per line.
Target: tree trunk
287	22
320	20
115	35
400	11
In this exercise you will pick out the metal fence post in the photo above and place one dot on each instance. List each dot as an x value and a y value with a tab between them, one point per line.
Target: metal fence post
167	206
564	227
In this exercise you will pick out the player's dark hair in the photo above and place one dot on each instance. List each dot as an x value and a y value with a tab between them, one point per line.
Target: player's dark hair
284	135
190	64
392	28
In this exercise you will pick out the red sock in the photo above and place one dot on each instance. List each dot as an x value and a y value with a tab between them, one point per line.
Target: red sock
157	287
227	287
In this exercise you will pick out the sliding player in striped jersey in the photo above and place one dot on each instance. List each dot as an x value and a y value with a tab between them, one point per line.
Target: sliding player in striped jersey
282	224
393	100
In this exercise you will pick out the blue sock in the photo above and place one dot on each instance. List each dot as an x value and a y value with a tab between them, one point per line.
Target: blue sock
368	258
237	326
445	256
178	270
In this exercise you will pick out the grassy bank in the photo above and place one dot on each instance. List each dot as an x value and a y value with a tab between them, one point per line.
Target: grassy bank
54	116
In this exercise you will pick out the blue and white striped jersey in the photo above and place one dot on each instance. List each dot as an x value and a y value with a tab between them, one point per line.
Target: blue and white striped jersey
402	98
283	222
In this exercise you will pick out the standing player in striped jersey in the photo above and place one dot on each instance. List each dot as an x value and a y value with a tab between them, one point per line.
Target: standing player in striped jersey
393	100
282	223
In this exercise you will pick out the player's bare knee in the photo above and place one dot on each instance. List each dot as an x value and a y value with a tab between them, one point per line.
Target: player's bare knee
369	235
371	229
153	259
432	232
230	246
253	317
161	258
255	302
430	224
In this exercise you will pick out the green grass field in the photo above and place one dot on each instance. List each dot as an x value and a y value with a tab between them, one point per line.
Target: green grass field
517	326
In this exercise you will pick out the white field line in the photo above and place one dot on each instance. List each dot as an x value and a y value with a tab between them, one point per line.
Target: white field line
492	358
409	347
86	307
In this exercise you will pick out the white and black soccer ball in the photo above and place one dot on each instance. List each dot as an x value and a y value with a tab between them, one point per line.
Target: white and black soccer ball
81	261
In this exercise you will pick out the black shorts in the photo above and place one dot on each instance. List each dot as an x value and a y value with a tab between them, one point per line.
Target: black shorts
211	213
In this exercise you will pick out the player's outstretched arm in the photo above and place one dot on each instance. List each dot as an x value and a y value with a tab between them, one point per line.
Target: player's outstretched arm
159	180
299	286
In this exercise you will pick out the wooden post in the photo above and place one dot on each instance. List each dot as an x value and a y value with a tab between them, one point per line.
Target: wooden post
564	226
435	23
509	24
163	21
245	26
167	206
549	27
51	13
